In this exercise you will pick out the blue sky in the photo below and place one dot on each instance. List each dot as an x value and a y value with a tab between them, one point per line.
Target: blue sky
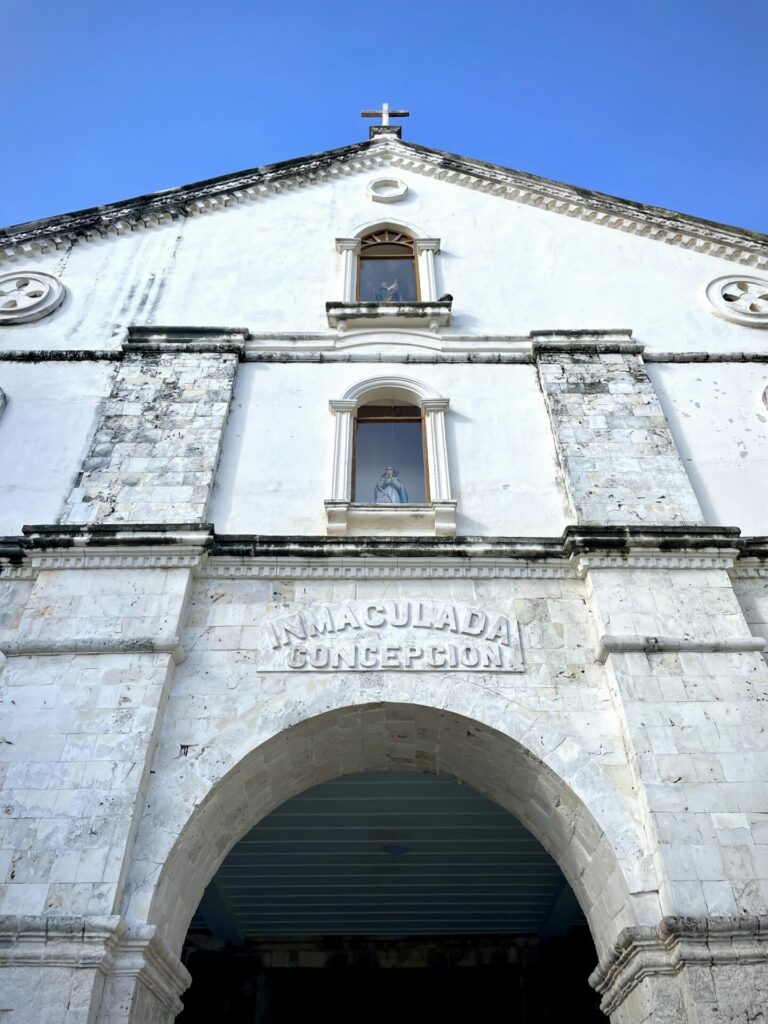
662	101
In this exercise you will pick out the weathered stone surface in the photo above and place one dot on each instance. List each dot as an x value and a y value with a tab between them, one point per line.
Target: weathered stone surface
147	722
155	451
620	461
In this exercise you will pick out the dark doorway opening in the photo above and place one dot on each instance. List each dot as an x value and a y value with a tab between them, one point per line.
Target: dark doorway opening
384	897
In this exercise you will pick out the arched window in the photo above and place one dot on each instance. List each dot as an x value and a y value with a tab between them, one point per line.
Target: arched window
387	267
390	461
379	257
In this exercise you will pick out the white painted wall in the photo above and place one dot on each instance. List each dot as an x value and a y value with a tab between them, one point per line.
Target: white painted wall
44	435
719	419
270	265
276	463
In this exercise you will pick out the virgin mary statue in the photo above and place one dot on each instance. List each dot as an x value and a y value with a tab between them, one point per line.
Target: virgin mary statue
390	489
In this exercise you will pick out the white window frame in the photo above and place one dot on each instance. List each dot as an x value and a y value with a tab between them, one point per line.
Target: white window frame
347	518
425	249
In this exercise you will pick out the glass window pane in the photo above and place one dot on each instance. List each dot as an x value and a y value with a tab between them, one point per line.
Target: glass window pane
387	280
389	464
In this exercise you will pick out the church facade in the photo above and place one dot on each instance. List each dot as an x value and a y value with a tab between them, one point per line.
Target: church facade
382	460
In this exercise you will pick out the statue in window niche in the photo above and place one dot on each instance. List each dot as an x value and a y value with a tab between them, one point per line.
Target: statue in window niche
390	490
388	292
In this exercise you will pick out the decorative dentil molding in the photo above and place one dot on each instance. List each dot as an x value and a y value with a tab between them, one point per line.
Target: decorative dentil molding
243	568
691	233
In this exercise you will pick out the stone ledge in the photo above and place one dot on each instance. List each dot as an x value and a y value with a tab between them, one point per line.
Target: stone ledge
43	536
673	944
396	314
584	539
66	941
91	645
585	342
673	644
347	518
226	340
621	543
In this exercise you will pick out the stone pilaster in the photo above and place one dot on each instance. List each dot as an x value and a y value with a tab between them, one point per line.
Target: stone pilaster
619	459
89	661
156	448
686	678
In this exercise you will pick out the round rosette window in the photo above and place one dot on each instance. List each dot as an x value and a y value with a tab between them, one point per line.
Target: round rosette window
743	300
28	295
386	190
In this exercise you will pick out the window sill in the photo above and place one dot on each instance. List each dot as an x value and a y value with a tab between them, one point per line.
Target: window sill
351	519
389	314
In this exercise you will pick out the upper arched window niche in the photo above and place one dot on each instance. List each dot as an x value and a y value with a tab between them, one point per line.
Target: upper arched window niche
388	275
390	461
387	267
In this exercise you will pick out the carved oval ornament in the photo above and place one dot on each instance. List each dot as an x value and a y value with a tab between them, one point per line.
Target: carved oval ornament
28	295
386	190
740	299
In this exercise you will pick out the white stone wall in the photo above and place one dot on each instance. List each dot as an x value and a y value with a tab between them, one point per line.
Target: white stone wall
143	730
511	268
276	464
45	431
719	418
270	264
83	692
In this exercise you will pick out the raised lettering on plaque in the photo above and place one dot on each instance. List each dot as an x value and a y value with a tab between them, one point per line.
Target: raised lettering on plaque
392	636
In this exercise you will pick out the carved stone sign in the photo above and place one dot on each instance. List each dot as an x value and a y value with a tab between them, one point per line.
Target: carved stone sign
399	635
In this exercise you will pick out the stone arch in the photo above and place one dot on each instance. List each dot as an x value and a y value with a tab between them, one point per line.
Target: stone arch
405	388
391	223
170	872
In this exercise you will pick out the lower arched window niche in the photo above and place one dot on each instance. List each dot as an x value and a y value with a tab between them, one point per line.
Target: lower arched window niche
390	463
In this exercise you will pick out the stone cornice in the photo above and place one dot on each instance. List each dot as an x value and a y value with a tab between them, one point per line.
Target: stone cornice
674	944
198	547
99	943
153	339
64	941
331	348
692	233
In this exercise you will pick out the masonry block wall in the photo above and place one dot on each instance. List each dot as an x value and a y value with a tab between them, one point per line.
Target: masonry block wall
620	461
147	735
155	450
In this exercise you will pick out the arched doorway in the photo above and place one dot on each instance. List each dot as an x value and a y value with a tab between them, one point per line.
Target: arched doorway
421	876
195	814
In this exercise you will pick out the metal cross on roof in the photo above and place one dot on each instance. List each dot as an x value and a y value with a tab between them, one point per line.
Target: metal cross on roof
385	113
